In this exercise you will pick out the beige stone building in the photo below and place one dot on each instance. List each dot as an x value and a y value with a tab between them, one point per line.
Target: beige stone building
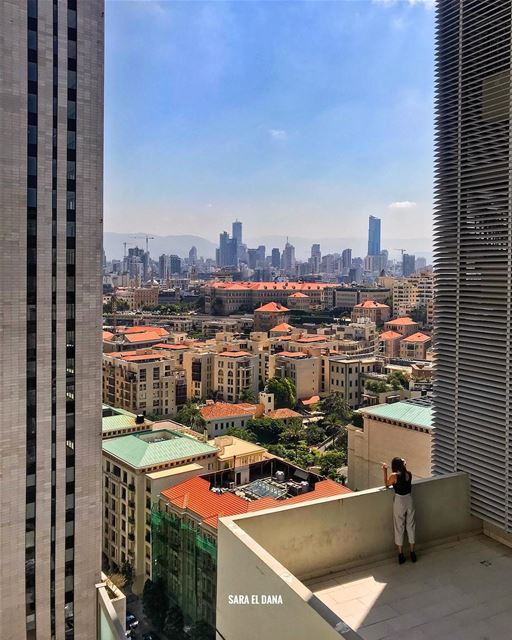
390	343
235	372
344	375
136	468
51	204
146	381
237	454
304	370
402	429
404	325
415	346
270	315
299	301
221	416
138	297
376	311
199	370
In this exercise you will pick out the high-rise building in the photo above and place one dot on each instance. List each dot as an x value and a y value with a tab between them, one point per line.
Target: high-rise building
408	264
192	256
316	257
51	141
228	250
163	267
346	258
473	249
237	231
174	264
373	236
288	258
276	258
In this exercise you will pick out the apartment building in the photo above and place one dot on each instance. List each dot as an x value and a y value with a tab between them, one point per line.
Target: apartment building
405	326
390	343
221	416
346	298
185	519
303	369
235	453
270	315
299	301
405	296
138	297
234	373
136	468
415	346
376	311
199	371
119	422
344	375
146	381
399	429
136	337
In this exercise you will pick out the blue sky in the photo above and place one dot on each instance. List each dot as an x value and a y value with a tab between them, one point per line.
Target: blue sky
295	117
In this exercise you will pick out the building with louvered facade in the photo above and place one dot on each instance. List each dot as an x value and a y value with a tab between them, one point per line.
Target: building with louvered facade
473	252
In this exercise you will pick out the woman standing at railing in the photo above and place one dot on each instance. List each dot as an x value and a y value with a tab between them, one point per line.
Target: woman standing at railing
403	505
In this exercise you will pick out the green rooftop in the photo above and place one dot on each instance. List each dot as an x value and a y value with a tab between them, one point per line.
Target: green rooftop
114	418
150	448
416	412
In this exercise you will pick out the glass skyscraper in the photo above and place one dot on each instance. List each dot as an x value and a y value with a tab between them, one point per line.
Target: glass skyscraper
373	236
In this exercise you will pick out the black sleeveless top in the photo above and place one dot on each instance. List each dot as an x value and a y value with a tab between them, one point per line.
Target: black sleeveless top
402	485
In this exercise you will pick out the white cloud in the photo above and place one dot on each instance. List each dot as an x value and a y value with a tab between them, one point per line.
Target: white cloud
278	134
402	204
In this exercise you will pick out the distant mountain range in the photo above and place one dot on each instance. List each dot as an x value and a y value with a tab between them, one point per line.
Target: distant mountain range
180	245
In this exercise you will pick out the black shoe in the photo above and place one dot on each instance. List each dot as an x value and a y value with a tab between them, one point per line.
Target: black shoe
401	558
413	556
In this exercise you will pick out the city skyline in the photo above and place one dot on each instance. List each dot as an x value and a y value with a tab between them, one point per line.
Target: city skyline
320	144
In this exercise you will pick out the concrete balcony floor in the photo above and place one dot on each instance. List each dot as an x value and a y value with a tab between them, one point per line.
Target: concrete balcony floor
460	590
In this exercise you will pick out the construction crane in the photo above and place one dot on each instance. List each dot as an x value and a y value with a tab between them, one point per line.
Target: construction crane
126	244
402	251
147	238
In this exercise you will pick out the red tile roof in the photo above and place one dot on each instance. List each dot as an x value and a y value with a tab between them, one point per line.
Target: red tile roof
276	286
310	401
147	336
143	329
283	414
292	354
401	321
107	336
417	337
195	495
284	326
217	410
371	304
171	347
390	335
299	295
273	307
313	338
235	354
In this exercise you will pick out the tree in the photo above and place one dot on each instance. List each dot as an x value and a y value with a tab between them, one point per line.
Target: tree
117	579
201	630
330	463
248	395
243	434
357	419
377	386
315	434
127	571
292	433
398	379
174	623
336	405
155	602
190	415
285	395
121	305
265	430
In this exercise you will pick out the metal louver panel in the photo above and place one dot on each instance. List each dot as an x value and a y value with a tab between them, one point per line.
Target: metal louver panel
473	250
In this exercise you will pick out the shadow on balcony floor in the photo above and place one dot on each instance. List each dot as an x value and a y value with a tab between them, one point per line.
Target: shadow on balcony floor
456	591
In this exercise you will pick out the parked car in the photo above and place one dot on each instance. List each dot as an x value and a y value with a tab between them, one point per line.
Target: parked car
131	620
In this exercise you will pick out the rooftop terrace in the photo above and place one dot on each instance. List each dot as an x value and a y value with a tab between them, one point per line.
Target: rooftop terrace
333	563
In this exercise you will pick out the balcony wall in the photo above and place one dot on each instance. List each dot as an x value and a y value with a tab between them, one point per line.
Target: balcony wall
279	548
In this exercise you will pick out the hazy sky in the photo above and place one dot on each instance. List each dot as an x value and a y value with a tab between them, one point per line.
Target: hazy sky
295	117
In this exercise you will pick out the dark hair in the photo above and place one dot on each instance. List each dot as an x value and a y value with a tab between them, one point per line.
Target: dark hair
398	466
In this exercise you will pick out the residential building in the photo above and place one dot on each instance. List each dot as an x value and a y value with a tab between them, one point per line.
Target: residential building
390	343
235	372
234	453
405	296
375	311
373	236
346	259
287	415
199	367
344	375
401	429
129	338
299	301
145	381
415	346
405	326
221	416
136	468
270	315
347	297
303	369
276	258
51	203
119	422
138	297
472	254
185	520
